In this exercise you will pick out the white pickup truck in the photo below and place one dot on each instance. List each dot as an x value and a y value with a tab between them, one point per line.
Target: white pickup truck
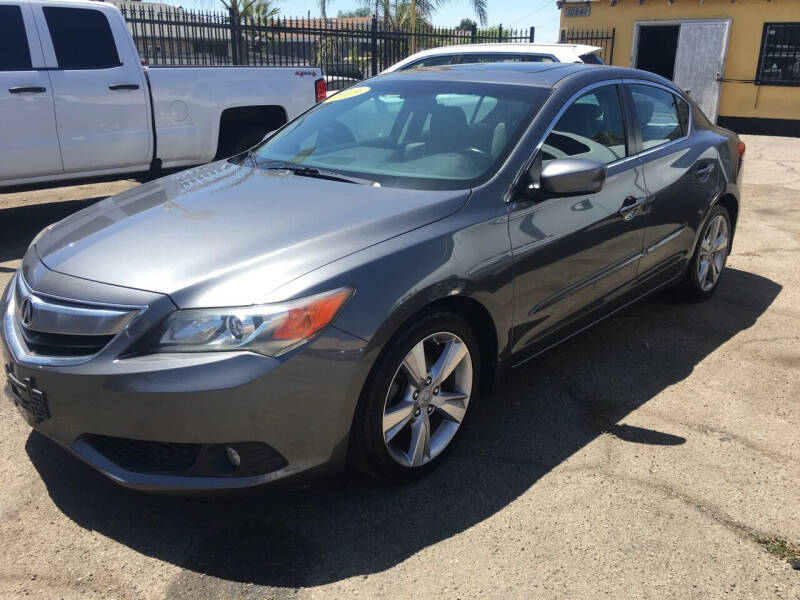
75	101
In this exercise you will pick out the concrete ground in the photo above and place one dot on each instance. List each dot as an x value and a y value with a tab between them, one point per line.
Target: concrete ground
647	458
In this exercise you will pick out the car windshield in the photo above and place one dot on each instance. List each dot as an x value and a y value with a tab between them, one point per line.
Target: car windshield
407	133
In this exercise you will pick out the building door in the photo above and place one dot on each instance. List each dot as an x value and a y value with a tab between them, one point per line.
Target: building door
658	45
700	62
690	53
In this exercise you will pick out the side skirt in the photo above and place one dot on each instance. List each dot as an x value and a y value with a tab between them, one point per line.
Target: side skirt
599	319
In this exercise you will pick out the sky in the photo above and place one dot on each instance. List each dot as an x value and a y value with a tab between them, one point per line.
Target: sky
542	14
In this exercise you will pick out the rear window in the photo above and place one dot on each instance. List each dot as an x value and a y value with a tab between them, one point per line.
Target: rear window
14	52
592	58
471	58
81	37
433	61
496	57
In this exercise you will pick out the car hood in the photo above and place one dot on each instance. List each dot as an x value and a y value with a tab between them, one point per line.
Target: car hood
226	234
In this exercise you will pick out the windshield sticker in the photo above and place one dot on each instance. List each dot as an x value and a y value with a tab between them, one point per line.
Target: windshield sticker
351	93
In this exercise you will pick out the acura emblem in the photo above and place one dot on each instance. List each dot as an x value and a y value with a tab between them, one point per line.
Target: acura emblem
26	314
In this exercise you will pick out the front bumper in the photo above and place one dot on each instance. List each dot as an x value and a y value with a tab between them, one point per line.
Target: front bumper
300	405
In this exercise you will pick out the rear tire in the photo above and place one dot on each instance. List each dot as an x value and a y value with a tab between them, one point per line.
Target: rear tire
709	258
417	399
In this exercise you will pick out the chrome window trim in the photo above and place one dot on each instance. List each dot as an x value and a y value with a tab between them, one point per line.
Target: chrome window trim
581	92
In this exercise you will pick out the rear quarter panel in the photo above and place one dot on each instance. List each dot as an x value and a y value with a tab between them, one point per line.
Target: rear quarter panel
188	103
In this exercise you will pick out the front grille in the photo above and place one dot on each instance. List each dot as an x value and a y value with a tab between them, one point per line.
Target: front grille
145	457
60	344
56	327
197	460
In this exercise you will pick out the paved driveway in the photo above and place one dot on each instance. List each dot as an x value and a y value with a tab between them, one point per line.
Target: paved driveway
643	459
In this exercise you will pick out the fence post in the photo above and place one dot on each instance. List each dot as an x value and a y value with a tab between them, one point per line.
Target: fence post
500	32
563	38
473	33
613	35
374	45
530	35
234	37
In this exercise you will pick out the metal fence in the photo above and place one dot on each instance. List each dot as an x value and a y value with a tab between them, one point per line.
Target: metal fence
592	37
347	48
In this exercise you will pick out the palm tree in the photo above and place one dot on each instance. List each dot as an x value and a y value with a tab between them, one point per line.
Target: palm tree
397	13
478	7
262	10
248	9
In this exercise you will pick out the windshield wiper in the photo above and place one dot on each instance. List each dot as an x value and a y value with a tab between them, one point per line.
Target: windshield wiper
302	171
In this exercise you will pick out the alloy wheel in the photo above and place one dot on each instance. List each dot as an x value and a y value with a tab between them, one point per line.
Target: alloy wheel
713	252
427	399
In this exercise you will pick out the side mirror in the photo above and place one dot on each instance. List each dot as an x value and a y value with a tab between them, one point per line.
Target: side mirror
570	177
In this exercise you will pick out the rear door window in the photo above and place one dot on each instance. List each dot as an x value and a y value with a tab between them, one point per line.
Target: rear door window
15	55
660	115
592	59
81	37
495	57
591	127
431	61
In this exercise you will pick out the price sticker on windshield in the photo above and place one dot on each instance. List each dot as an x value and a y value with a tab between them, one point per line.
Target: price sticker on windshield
351	93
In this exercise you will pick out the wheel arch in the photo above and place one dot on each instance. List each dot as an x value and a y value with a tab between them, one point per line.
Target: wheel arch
241	127
473	312
731	204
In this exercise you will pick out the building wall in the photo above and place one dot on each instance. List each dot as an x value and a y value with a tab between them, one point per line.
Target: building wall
738	100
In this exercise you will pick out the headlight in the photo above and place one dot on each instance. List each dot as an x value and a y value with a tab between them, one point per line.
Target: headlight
267	329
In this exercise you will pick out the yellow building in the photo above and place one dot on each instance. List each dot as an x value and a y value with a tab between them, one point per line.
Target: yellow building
739	59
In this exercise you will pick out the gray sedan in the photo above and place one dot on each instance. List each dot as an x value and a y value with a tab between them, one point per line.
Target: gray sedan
345	291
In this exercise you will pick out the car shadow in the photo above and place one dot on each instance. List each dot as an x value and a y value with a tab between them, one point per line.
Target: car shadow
538	417
19	224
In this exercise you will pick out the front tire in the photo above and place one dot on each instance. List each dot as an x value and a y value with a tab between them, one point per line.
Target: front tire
710	255
415	402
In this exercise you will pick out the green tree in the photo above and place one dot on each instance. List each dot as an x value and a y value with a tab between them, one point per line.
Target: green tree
247	9
467	24
479	7
364	11
397	13
262	10
237	9
323	5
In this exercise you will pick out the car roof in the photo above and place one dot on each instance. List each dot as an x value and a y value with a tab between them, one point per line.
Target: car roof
517	48
546	75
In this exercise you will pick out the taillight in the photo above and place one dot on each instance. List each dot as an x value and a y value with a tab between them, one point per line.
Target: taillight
321	88
740	148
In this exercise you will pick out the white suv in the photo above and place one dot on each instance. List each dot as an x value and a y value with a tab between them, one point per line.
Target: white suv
510	52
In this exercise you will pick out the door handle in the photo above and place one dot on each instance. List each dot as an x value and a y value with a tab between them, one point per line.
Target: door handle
705	171
629	207
27	89
123	86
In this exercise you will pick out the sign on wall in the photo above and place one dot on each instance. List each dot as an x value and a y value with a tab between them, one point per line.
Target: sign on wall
578	11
